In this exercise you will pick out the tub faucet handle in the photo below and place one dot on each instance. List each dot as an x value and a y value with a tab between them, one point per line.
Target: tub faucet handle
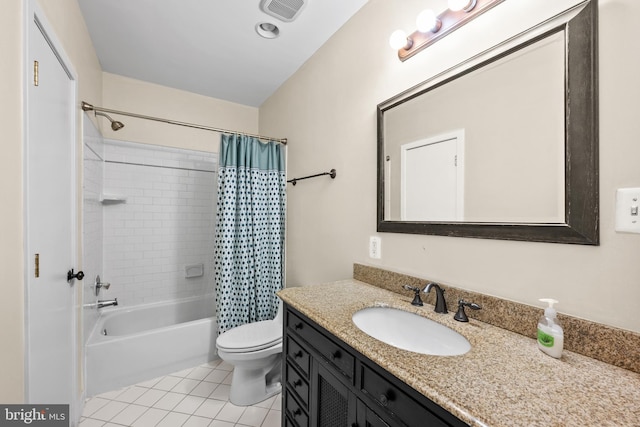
100	284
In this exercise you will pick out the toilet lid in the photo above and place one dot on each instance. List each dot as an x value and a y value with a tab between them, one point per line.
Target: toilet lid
250	337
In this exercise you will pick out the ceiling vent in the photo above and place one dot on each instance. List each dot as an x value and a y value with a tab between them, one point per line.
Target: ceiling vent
284	10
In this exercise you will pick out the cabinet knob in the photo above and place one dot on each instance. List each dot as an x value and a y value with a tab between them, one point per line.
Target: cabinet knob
297	412
297	354
384	400
335	355
297	326
297	383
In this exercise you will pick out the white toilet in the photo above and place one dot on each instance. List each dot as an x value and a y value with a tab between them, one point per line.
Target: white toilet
255	351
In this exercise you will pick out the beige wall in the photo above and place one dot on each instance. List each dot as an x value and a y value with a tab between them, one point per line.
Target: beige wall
11	274
135	96
327	110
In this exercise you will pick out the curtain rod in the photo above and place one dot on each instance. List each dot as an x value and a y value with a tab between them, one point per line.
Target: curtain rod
88	107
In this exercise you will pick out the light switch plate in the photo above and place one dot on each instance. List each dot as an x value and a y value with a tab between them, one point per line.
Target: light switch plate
627	210
375	244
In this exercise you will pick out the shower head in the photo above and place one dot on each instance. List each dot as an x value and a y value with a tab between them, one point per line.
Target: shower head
115	125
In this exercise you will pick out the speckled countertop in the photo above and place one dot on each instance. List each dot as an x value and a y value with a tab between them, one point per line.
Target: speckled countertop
504	380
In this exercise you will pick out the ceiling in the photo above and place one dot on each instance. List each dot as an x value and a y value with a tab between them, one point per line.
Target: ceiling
209	47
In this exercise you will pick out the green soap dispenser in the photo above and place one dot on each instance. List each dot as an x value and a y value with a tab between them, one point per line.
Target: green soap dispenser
550	334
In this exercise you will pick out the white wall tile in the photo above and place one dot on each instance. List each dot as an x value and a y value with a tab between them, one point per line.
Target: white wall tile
166	223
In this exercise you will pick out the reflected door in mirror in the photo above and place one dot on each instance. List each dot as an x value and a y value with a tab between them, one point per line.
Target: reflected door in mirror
432	179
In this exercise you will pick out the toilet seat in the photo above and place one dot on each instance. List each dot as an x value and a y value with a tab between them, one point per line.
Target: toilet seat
250	337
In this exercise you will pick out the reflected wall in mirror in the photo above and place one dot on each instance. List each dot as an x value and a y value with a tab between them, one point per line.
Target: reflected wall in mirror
504	147
447	161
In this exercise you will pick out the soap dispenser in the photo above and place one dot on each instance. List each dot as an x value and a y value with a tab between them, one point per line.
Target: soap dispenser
550	334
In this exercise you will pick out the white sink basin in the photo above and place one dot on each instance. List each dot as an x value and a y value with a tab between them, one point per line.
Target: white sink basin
409	331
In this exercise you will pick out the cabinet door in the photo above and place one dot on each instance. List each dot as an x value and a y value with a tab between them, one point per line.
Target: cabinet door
332	404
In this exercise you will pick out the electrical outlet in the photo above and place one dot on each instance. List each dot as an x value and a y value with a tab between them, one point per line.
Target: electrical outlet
375	247
627	210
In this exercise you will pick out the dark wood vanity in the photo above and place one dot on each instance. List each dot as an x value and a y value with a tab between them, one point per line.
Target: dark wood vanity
329	384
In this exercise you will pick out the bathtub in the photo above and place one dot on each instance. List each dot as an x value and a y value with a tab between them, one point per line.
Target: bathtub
133	344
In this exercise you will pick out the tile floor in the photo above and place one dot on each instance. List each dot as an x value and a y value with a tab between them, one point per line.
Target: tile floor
196	397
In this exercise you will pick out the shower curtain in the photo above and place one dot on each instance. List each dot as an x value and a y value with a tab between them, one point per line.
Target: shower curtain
249	237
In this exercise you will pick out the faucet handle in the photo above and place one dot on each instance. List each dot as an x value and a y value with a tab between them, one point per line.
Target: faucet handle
100	284
416	298
460	315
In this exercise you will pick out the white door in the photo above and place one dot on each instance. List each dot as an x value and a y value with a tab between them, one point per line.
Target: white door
50	226
432	180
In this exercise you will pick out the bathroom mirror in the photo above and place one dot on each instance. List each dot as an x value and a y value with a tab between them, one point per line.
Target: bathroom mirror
503	146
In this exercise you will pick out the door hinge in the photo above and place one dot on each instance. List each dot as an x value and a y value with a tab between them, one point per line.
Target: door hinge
455	160
36	269
35	73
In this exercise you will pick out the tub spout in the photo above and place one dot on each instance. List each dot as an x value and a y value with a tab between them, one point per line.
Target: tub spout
107	303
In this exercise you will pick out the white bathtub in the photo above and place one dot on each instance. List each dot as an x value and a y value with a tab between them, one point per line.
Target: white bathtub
148	341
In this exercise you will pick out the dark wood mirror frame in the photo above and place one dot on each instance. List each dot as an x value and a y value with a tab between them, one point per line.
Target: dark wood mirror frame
581	150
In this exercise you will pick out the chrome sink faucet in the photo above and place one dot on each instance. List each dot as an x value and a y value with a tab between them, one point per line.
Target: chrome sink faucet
441	304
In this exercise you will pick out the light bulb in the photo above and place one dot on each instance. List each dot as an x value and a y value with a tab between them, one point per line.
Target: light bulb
399	40
428	21
466	5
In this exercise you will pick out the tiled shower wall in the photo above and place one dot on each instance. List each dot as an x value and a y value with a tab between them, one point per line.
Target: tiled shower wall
92	221
159	217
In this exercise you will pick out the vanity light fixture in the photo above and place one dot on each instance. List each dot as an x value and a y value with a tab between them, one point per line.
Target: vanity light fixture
432	27
399	40
458	5
427	21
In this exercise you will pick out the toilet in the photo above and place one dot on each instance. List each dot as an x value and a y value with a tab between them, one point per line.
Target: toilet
255	351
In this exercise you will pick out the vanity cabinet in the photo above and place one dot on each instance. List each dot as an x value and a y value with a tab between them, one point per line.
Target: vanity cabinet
329	384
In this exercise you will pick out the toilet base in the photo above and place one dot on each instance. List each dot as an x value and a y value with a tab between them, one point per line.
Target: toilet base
250	385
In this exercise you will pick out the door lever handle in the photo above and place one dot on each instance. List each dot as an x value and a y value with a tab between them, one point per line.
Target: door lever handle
71	275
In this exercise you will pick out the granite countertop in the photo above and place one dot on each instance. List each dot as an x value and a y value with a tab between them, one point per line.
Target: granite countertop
504	380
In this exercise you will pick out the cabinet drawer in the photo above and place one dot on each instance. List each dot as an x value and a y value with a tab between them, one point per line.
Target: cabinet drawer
298	385
298	355
399	404
295	412
331	351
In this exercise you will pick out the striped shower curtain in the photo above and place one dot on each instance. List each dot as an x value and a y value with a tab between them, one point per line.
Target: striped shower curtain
249	238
